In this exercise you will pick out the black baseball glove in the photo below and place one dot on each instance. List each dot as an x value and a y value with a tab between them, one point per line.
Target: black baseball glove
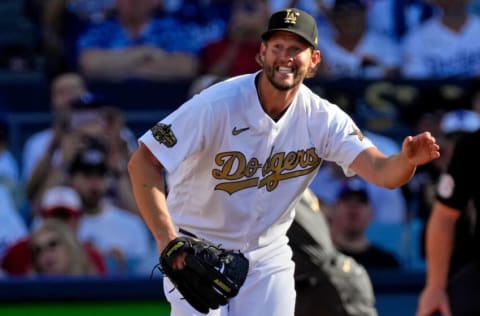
211	275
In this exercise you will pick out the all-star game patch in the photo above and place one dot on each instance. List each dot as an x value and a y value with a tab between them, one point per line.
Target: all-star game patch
164	135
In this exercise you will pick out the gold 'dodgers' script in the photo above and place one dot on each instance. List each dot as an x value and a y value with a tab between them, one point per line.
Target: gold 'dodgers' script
240	173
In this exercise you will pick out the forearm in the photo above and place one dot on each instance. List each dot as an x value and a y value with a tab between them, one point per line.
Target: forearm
149	191
388	172
439	245
170	66
396	171
43	178
39	175
108	64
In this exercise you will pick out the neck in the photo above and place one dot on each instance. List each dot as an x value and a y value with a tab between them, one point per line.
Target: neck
93	210
135	27
349	42
455	19
274	101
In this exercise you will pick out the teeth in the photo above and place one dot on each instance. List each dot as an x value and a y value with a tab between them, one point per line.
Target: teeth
285	69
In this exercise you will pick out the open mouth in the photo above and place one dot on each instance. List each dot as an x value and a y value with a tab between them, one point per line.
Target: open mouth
285	70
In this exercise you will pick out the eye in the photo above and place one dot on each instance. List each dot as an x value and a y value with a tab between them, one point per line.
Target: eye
292	51
277	46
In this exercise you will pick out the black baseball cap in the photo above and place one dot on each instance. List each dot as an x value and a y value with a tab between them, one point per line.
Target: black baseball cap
295	21
87	109
91	160
89	101
354	190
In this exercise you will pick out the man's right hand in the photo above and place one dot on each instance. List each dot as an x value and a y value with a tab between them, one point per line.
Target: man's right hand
433	300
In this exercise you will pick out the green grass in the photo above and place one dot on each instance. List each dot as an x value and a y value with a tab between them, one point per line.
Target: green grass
147	308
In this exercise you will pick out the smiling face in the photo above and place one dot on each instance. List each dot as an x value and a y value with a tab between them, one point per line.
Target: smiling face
287	60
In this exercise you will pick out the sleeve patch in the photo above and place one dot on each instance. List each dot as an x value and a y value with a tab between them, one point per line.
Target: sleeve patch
164	134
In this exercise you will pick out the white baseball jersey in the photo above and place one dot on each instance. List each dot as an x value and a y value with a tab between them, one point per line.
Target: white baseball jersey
103	230
234	174
433	50
343	63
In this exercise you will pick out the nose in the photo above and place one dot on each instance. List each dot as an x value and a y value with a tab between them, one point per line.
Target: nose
285	56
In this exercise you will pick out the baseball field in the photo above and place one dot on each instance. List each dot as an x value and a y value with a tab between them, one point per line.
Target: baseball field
143	308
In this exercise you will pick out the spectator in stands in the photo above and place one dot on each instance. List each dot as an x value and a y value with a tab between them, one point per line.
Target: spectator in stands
12	225
9	166
91	119
212	12
64	89
444	46
394	18
354	50
234	54
17	39
61	23
121	143
349	220
120	235
137	44
62	203
57	251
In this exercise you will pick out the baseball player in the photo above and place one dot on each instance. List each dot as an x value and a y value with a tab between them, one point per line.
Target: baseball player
239	155
453	291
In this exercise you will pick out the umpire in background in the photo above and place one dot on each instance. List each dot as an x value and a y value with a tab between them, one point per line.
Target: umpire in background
454	294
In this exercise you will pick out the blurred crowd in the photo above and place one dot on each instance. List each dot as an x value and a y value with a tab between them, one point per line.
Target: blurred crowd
170	39
67	206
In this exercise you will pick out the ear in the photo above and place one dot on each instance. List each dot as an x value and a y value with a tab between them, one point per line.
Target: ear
316	58
260	57
263	49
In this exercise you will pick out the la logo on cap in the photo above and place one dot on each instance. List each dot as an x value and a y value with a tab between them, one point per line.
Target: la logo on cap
291	17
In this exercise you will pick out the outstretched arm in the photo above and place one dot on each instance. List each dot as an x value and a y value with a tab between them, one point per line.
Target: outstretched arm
149	191
396	170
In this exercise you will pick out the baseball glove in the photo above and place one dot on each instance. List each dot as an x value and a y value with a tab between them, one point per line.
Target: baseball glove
211	275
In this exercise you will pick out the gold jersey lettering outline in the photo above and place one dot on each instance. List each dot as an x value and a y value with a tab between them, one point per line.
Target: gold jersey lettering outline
240	173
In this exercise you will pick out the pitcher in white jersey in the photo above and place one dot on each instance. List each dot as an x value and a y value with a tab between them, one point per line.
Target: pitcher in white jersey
238	156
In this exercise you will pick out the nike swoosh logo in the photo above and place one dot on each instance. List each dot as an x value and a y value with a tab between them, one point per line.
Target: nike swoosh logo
236	131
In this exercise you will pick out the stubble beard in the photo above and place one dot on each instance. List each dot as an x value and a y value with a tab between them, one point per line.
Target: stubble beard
298	77
92	203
